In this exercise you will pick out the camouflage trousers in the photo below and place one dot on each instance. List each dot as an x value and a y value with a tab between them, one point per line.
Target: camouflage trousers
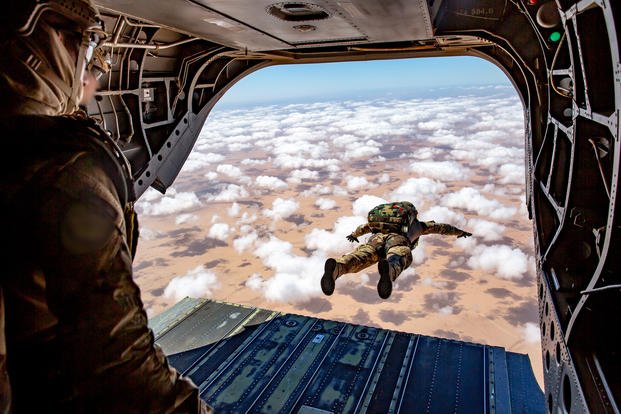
393	247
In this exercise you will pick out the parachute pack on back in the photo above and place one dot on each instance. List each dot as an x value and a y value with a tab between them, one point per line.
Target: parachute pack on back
392	217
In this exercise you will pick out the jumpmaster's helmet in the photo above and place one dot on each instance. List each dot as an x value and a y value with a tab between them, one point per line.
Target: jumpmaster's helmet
78	18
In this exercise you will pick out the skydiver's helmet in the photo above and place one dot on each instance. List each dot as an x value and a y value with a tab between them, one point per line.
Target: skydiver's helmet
410	207
80	25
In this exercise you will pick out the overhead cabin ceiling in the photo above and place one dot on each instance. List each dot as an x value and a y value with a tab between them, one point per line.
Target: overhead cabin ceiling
265	25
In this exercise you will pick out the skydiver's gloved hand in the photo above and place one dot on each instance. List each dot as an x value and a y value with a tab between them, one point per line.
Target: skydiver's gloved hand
352	239
464	234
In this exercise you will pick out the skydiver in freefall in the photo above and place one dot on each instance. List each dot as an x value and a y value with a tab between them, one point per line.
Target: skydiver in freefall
396	230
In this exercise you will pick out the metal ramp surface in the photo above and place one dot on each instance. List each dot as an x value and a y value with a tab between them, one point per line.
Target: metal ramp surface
248	360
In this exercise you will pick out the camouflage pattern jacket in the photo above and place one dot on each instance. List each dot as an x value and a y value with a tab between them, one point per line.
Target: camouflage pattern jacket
76	331
417	229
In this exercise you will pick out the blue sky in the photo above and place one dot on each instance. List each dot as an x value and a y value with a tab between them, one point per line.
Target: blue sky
325	81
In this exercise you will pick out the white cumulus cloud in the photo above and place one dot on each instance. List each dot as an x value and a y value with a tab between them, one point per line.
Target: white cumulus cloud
361	151
195	162
531	332
503	261
364	204
244	242
171	203
220	231
441	214
418	254
295	278
298	176
254	282
356	182
196	283
211	176
418	191
512	174
334	241
325	203
440	170
383	179
229	170
148	234
471	199
231	192
234	210
488	230
282	208
269	182
446	310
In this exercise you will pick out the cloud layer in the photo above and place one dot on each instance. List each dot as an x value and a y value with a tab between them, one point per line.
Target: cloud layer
456	158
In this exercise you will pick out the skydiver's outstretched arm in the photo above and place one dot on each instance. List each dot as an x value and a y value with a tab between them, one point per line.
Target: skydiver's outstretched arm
361	230
431	227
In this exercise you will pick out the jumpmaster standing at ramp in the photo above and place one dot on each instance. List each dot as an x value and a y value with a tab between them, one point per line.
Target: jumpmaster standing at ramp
396	231
73	329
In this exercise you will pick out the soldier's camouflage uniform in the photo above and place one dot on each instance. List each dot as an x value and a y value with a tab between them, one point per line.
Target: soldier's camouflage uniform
75	337
395	247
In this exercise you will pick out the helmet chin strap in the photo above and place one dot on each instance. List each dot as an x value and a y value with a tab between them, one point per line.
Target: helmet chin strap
77	87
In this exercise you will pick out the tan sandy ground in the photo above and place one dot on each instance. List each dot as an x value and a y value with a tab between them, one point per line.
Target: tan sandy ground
444	298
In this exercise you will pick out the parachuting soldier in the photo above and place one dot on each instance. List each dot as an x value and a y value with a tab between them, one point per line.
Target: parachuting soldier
73	329
396	230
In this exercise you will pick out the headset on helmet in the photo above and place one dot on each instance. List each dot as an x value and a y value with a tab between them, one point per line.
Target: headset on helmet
100	63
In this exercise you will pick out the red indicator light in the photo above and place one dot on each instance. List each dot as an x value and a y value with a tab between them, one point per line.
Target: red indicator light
532	2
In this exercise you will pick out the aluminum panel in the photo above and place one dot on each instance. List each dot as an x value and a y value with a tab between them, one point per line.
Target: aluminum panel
250	25
208	324
270	362
368	20
195	19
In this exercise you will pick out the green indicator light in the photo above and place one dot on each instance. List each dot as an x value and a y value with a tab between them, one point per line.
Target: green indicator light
555	36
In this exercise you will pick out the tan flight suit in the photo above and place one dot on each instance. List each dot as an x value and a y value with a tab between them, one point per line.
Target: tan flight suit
76	330
396	248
